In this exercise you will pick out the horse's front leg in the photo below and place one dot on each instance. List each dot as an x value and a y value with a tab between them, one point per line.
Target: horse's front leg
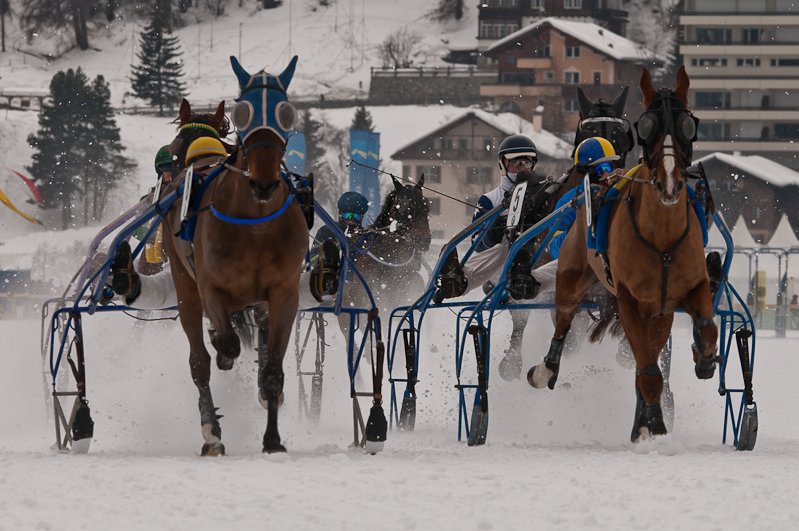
283	303
191	318
647	336
572	283
699	304
224	339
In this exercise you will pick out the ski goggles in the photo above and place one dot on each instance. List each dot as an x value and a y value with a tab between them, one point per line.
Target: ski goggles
352	216
604	167
526	162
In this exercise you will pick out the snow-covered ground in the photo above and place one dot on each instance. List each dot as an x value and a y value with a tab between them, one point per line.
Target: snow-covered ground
554	459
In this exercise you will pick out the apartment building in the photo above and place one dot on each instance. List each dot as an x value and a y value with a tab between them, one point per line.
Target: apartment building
743	60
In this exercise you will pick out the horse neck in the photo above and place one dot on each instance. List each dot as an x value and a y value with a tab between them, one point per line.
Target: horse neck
659	224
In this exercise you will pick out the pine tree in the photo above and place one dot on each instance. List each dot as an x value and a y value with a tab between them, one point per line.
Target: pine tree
157	77
77	147
362	120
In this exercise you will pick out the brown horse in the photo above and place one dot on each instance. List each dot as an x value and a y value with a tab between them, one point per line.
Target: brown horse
231	265
655	258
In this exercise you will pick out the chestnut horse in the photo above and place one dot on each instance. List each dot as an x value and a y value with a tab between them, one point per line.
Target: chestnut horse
655	257
252	258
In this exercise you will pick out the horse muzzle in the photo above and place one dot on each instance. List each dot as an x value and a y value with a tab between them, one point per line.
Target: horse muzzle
261	192
669	198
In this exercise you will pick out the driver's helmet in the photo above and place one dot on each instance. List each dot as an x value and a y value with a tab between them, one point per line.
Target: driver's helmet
163	160
593	151
513	147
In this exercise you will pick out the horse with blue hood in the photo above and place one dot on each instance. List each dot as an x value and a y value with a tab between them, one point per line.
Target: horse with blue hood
248	246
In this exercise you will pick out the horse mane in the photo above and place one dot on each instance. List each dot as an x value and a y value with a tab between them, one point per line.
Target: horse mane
383	219
205	118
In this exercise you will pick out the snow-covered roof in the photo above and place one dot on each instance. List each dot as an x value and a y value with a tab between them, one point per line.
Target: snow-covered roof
757	166
509	124
594	36
784	235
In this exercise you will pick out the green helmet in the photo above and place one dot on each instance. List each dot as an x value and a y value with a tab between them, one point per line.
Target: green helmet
163	158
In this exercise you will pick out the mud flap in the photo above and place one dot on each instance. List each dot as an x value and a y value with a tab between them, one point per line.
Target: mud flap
479	423
407	418
747	434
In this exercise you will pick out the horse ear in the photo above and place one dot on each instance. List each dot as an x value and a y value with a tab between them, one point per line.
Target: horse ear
218	118
620	101
397	185
682	85
288	73
646	88
420	183
241	74
585	103
185	112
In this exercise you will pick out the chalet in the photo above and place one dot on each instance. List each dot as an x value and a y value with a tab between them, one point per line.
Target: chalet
459	159
543	64
754	187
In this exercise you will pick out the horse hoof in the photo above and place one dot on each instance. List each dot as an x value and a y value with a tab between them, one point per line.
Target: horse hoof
213	449
224	363
510	368
539	376
274	448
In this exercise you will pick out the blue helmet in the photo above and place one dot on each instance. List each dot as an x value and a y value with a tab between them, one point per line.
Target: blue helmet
353	202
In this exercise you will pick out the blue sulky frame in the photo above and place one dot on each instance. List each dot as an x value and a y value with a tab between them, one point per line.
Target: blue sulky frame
741	416
68	311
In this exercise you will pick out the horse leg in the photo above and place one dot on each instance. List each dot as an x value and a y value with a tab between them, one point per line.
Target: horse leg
510	368
646	336
699	305
225	340
191	315
283	303
572	285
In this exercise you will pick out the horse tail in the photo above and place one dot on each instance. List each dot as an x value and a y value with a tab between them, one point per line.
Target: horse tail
244	325
608	316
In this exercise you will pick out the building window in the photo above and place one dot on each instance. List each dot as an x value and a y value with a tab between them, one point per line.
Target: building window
406	172
786	131
713	35
549	75
712	100
478	175
713	131
432	174
572	52
752	35
785	62
749	61
511	59
571	106
497	29
435	206
571	78
572	4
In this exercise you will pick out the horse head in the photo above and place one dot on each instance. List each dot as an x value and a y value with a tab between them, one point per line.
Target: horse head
408	207
192	126
263	118
667	130
606	120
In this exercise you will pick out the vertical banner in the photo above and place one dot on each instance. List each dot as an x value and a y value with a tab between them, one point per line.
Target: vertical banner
365	154
295	153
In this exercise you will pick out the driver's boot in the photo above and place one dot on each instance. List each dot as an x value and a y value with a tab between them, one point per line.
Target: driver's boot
124	279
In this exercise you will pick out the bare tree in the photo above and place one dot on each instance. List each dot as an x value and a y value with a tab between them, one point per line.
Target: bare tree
398	48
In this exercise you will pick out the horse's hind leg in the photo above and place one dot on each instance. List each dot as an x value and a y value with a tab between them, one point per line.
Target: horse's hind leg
225	341
510	368
283	305
572	285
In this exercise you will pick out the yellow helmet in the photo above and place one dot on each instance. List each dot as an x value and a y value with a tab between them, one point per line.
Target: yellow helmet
204	147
